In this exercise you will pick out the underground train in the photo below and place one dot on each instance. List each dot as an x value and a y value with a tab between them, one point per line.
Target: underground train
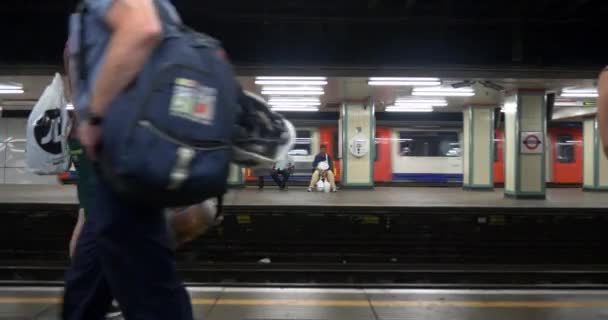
422	149
410	150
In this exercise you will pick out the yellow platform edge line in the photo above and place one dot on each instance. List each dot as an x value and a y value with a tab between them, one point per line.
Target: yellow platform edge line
358	303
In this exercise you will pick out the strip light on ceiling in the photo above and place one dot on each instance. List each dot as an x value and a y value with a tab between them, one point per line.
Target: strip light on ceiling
11	86
293	93
414	104
579	93
293	78
408	109
11	91
422	101
295	109
387	81
292	82
302	104
444	92
293	99
288	88
402	83
569	104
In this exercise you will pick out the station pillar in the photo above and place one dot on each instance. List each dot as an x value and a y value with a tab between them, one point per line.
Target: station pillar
357	138
478	148
524	147
236	177
595	164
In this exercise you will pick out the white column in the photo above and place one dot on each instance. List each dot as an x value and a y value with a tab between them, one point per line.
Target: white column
595	164
525	139
357	137
478	148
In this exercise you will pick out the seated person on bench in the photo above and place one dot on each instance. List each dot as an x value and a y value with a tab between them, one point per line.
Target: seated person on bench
323	167
284	167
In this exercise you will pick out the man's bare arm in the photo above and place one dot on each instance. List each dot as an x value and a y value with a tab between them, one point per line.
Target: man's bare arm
136	31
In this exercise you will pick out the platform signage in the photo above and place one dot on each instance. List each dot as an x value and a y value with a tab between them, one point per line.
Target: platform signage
531	142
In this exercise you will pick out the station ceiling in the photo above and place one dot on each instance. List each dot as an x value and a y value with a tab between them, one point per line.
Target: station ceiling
541	38
341	89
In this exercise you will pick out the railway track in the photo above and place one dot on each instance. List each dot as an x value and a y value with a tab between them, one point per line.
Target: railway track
349	275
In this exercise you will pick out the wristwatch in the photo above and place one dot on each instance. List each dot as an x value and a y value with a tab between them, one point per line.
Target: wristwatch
95	120
92	118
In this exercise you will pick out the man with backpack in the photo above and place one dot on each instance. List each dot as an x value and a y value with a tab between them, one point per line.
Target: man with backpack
161	134
122	251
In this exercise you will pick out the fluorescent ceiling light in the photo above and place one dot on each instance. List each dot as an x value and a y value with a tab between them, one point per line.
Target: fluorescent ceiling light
11	86
294	99
305	104
292	88
69	106
579	90
11	91
292	82
295	109
402	83
292	78
443	89
409	107
425	104
424	101
292	93
403	79
443	94
409	110
569	104
579	93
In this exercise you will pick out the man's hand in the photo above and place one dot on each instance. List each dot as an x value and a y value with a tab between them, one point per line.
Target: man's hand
90	137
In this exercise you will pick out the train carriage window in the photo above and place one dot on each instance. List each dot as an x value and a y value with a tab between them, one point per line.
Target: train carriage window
303	146
565	149
429	144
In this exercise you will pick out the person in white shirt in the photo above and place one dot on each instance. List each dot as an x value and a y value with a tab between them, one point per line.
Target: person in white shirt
284	167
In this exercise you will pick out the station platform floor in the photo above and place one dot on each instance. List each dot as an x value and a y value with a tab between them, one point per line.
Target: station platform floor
446	197
217	303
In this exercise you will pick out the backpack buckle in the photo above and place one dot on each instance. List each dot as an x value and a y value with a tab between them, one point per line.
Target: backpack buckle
181	170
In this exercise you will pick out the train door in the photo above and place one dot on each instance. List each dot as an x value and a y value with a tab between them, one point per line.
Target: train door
330	137
567	155
499	164
383	171
549	159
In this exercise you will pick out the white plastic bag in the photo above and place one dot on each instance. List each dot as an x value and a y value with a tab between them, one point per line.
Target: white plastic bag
47	149
320	185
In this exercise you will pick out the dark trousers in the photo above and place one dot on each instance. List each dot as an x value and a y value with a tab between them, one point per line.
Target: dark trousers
281	183
123	252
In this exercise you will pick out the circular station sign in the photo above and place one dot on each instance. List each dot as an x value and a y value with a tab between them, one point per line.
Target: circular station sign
531	142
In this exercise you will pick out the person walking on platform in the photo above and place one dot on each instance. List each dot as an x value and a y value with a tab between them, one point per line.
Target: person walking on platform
323	166
124	249
602	108
284	168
